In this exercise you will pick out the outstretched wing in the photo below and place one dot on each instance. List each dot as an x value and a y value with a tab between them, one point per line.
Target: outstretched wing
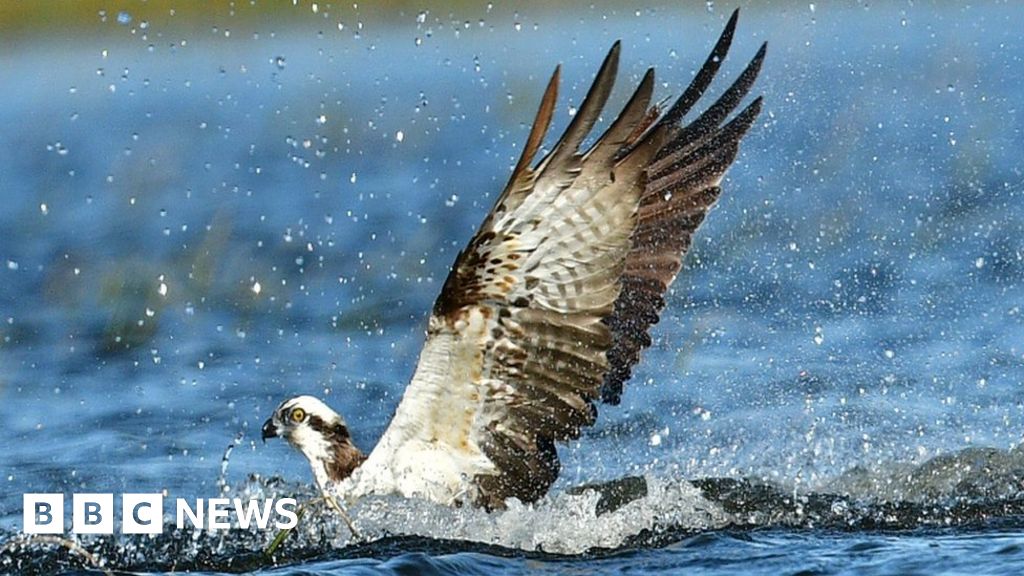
680	186
550	302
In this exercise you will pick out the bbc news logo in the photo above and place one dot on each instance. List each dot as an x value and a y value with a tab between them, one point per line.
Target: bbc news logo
144	513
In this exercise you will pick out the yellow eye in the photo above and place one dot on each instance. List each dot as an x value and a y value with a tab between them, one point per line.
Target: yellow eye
298	415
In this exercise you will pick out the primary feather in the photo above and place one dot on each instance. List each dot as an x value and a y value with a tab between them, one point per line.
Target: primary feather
547	309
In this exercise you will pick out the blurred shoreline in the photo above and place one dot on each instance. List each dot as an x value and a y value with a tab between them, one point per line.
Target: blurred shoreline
91	17
25	21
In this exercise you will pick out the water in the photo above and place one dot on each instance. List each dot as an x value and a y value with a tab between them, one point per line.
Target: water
838	370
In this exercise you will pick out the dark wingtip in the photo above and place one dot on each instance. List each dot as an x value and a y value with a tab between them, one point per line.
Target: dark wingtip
704	76
761	51
757	103
730	28
733	18
590	108
538	130
750	73
611	61
738	126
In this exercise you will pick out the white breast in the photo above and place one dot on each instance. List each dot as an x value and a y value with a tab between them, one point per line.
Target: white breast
431	448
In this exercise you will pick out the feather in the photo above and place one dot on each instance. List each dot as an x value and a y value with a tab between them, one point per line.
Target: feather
550	304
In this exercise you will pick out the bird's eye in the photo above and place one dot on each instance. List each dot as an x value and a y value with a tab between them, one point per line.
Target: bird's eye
298	415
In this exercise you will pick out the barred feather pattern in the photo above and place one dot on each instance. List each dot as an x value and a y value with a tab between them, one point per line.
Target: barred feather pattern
548	308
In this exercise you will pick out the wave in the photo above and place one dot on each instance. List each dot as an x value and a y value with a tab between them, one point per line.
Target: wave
972	487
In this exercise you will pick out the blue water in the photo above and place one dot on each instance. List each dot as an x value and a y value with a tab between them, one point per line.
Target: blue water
847	338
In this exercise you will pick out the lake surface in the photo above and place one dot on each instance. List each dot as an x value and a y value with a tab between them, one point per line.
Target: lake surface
199	223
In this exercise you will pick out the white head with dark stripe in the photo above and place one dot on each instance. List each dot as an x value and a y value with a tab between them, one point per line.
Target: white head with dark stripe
320	433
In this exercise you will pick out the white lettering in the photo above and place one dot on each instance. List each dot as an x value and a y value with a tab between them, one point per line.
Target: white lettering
281	506
92	513
246	514
184	510
218	513
43	513
142	513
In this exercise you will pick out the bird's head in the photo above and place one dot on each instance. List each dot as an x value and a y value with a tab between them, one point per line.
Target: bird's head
320	433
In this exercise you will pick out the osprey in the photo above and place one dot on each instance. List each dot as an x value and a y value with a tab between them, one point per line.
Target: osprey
547	309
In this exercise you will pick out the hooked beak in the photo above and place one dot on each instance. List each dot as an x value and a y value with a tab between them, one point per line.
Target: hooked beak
269	430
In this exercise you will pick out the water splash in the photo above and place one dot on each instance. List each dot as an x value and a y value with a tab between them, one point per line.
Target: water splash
974	486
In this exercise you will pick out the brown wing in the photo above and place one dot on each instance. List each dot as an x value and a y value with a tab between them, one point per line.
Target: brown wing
680	186
551	300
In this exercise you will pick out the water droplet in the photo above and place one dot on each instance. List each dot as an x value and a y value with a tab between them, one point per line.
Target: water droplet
124	18
256	288
279	62
399	136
